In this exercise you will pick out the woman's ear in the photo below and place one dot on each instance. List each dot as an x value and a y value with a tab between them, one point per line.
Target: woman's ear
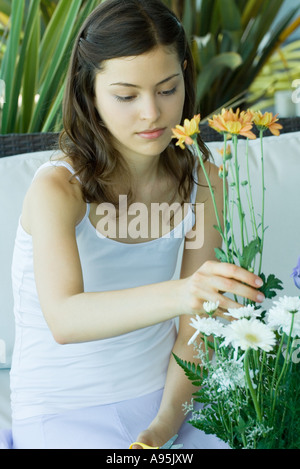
184	65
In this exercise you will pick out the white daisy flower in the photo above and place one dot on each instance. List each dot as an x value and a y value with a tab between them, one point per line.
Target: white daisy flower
210	307
290	304
248	312
206	326
280	316
246	334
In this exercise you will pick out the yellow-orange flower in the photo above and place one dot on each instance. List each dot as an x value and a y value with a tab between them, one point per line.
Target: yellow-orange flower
185	133
221	171
234	123
228	153
267	121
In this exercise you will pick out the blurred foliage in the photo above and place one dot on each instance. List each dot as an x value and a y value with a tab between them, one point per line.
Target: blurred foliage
280	73
231	40
36	40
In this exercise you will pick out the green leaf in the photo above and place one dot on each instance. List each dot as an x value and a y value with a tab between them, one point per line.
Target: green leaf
249	253
251	11
55	110
206	50
242	426
30	70
230	15
9	62
5	7
51	82
192	371
188	18
207	16
271	284
25	70
217	65
220	255
218	229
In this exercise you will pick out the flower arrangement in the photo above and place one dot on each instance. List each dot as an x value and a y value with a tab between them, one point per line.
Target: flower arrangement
250	391
232	125
245	370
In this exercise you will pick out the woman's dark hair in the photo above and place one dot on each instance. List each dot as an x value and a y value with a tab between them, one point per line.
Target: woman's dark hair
120	28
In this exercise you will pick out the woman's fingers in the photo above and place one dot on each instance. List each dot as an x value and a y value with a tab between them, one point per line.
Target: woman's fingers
230	285
214	279
231	271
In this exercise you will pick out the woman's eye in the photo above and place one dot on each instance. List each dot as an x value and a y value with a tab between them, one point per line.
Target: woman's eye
124	99
128	99
168	92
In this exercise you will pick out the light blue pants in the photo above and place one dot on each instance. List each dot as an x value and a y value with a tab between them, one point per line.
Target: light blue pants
113	426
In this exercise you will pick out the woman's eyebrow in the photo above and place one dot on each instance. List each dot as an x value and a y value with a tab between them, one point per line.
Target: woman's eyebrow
136	86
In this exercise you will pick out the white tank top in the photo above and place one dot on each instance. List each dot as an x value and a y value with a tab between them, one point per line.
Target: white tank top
48	378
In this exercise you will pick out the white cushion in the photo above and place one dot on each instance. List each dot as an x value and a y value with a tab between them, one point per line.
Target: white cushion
16	173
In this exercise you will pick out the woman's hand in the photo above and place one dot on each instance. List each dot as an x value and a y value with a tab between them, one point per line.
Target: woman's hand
213	279
155	436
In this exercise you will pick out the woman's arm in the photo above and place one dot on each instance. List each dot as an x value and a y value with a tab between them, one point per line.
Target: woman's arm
52	209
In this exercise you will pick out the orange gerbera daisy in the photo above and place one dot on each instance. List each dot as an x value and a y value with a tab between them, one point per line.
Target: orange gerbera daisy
185	133
267	121
234	123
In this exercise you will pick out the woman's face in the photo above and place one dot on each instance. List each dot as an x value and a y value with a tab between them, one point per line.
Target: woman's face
140	99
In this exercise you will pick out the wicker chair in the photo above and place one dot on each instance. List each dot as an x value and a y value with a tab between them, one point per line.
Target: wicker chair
15	144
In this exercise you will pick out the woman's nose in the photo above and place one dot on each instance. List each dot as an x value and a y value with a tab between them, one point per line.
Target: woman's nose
150	109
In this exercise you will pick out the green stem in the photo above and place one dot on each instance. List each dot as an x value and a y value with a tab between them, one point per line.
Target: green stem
225	201
230	215
279	352
206	349
250	386
251	204
237	186
261	133
285	364
260	390
211	191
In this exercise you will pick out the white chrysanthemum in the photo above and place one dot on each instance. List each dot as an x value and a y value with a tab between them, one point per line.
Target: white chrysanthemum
210	307
248	312
246	334
206	326
280	316
289	303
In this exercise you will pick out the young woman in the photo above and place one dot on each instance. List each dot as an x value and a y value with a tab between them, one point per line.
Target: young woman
93	267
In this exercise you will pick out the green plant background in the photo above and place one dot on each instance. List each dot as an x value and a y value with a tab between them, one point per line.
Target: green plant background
232	40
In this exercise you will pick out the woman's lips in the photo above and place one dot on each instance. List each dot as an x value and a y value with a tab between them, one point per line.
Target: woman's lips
151	134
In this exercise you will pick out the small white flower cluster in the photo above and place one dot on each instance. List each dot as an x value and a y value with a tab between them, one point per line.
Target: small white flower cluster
229	376
257	431
249	330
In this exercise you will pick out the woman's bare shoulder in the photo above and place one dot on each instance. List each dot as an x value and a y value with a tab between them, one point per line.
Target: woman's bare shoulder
53	189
